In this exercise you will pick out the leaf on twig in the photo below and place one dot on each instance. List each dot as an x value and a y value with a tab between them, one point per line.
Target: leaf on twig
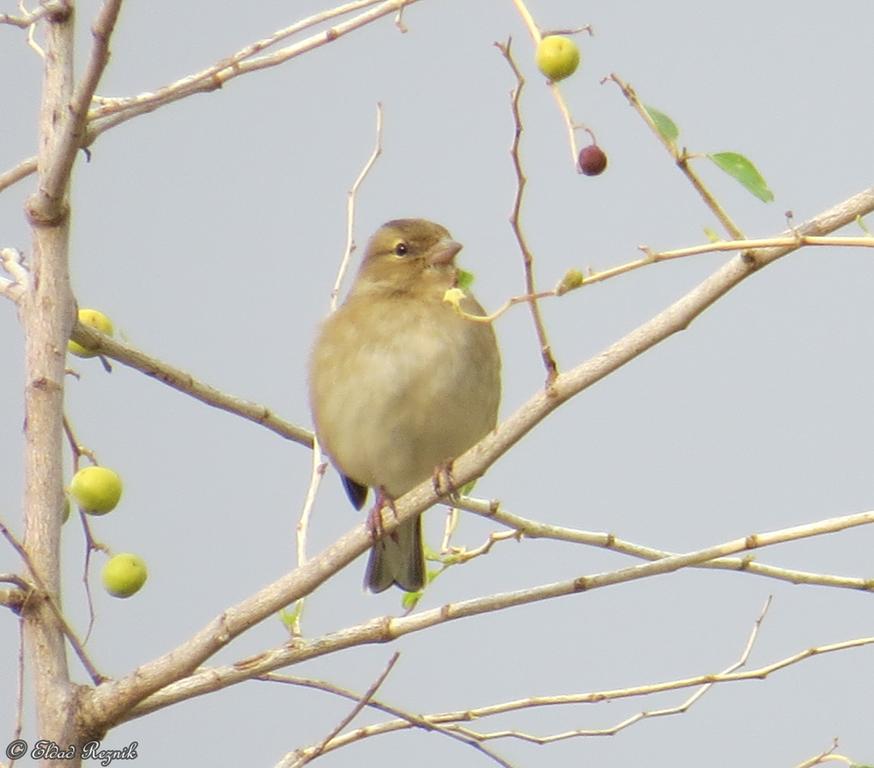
666	127
711	235
745	172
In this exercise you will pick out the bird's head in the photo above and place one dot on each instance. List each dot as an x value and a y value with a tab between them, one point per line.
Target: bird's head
409	255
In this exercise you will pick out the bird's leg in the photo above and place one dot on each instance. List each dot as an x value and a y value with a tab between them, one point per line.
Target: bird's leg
443	481
374	518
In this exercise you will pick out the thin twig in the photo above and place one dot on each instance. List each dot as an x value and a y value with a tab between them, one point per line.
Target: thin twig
451	722
74	641
317	472
19	685
825	757
72	126
350	210
186	383
109	113
242	61
681	157
12	262
91	542
424	722
387	629
302	757
29	18
399	18
527	528
318	464
527	257
575	279
536	36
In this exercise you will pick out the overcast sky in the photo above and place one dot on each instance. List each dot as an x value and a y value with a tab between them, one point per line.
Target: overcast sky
210	231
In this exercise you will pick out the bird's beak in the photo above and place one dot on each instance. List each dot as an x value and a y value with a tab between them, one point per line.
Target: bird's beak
444	252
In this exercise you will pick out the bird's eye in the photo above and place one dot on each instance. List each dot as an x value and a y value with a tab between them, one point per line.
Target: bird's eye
401	249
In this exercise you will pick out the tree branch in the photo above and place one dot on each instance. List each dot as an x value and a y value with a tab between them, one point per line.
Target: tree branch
46	311
186	383
533	529
113	702
109	113
379	630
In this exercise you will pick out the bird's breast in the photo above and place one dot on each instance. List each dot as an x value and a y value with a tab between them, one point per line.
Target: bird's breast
399	387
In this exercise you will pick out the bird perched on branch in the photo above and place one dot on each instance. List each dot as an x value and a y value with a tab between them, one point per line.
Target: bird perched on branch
400	383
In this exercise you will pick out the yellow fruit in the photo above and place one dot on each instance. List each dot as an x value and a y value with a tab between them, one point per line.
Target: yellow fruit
93	319
96	489
65	513
557	57
124	574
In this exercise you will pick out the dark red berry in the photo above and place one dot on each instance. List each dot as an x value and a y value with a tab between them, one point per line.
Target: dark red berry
592	160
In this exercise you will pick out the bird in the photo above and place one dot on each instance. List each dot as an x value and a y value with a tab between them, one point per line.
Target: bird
401	383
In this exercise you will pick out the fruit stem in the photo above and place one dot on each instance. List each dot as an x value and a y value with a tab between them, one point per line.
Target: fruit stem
533	29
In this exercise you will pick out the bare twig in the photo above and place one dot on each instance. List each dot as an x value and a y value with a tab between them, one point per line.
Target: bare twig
759	673
448	723
185	382
827	756
527	257
655	257
386	629
350	210
18	172
575	279
29	18
399	19
527	528
109	113
91	543
318	464
76	448
317	472
12	262
19	692
302	757
72	638
404	717
70	133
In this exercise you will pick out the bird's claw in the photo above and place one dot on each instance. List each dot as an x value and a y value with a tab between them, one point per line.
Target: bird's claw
443	481
374	518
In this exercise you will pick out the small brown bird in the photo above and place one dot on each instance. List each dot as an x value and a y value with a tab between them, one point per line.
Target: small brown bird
400	383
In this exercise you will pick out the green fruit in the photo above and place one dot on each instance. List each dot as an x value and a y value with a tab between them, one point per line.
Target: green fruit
65	512
557	57
124	574
96	489
93	319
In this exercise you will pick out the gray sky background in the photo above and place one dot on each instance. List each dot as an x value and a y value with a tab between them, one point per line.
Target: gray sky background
210	232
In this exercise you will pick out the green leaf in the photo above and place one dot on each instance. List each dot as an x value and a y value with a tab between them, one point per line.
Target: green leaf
711	235
465	279
467	489
666	127
745	172
289	617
